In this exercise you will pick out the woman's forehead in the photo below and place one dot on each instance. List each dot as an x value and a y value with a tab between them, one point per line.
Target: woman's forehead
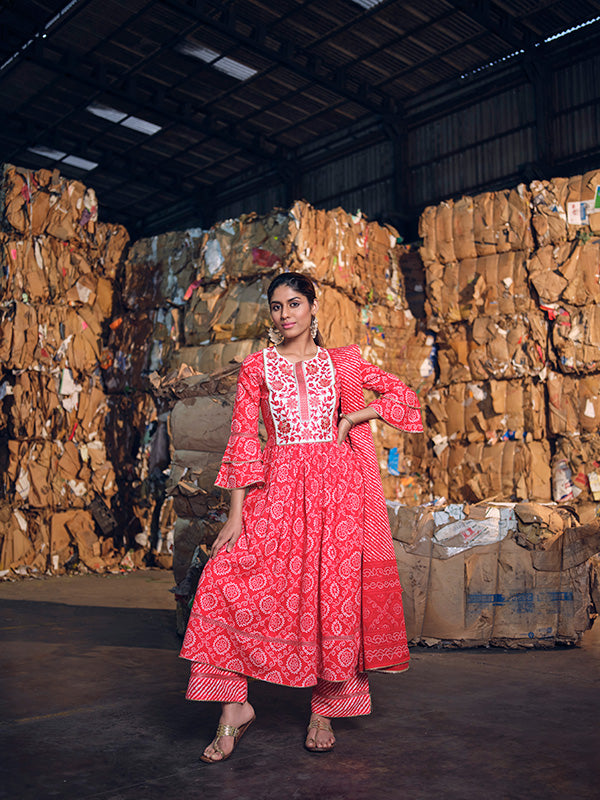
286	293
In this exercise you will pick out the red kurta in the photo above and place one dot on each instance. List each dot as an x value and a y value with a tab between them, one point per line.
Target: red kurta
310	590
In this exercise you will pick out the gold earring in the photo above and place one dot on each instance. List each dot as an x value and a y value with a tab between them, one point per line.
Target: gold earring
314	327
275	336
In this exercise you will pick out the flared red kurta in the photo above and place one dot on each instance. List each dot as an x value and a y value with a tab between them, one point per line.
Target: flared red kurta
285	605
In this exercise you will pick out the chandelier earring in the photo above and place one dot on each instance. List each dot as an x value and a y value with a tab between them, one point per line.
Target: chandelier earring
314	327
274	335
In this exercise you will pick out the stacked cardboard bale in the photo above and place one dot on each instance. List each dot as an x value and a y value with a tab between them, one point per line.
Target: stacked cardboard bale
513	288
145	331
486	414
565	276
59	266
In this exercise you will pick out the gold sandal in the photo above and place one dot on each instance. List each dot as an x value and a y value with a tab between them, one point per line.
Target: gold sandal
226	730
320	725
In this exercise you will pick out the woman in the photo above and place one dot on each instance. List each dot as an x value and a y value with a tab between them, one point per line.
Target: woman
302	586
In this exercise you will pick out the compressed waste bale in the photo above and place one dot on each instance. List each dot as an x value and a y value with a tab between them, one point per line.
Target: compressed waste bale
200	313
506	469
38	202
345	251
55	406
216	356
573	403
566	272
487	411
493	347
242	312
202	423
576	338
485	286
563	207
490	223
159	270
258	245
576	468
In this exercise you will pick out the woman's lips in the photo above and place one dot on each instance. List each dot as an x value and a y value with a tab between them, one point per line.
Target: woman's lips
288	325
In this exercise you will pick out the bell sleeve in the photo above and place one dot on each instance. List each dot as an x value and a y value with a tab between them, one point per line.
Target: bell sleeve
397	404
242	463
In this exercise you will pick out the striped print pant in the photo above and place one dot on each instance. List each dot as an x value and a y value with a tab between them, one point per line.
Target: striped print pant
349	698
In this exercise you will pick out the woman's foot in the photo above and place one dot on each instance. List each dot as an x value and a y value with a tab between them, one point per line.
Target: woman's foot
320	738
233	714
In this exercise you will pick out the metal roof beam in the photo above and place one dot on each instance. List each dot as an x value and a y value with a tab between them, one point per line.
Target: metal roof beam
94	75
129	166
481	12
283	52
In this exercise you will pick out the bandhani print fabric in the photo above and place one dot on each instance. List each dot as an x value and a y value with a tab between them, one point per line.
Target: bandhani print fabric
286	605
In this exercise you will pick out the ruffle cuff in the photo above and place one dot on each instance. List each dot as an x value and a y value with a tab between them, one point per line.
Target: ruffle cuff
242	464
401	416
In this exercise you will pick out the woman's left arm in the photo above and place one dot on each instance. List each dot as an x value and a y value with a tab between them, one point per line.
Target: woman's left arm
397	404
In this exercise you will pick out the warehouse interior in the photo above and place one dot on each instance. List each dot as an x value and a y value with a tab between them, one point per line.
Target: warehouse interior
434	167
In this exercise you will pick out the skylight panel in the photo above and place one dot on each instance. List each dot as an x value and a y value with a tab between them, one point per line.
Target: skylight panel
571	30
367	3
141	125
80	163
59	155
198	51
234	68
106	112
227	65
47	152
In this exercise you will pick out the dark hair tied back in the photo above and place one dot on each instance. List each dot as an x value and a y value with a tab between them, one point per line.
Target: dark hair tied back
300	283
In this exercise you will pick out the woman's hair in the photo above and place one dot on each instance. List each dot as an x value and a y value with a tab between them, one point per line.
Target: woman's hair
300	283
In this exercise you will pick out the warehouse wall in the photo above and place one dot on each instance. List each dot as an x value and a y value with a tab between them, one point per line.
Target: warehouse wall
529	121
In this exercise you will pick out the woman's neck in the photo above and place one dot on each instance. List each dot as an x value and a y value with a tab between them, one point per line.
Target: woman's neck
299	348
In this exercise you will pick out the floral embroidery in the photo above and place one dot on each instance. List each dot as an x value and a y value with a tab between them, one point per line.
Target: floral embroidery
302	397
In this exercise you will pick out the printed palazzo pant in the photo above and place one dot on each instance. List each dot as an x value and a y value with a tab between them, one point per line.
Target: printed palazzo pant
349	698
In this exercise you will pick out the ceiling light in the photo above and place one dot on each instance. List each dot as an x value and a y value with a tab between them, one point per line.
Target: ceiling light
47	152
228	65
106	112
141	125
80	163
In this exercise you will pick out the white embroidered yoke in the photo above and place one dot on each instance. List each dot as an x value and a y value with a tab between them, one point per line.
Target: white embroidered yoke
302	397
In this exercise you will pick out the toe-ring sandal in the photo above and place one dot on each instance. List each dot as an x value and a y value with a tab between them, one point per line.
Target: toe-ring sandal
226	730
320	725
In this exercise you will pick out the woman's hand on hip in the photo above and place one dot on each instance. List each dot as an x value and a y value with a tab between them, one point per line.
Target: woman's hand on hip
343	429
228	536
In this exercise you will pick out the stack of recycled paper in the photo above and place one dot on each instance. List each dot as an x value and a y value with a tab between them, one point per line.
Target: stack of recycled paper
512	284
564	272
58	277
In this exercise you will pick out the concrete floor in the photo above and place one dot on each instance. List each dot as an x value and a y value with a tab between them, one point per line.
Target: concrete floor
93	707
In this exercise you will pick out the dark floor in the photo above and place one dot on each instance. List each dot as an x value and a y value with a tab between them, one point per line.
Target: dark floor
93	707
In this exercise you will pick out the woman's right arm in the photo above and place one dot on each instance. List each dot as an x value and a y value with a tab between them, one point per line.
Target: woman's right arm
230	532
242	462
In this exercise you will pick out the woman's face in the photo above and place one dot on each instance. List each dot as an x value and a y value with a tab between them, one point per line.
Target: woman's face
291	312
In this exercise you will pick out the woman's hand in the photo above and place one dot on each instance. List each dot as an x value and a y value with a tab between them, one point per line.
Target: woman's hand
343	429
228	536
230	532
